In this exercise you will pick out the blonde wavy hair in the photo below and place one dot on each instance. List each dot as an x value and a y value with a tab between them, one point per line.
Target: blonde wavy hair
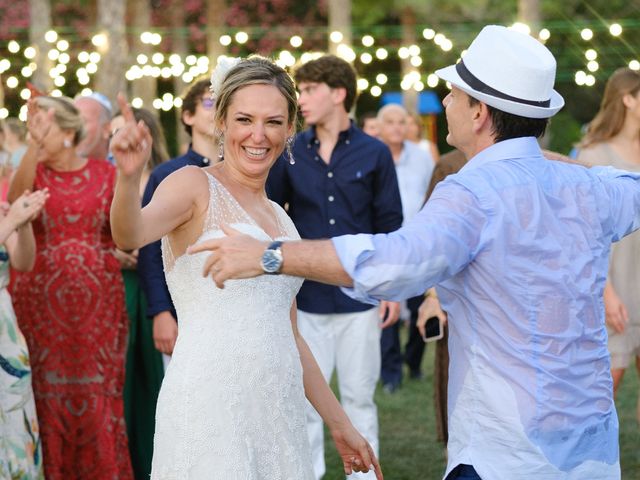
610	118
66	115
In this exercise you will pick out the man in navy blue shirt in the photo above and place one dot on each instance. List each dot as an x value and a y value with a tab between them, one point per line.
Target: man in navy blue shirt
342	181
198	110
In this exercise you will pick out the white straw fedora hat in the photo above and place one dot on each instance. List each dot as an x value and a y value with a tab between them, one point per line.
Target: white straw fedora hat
508	70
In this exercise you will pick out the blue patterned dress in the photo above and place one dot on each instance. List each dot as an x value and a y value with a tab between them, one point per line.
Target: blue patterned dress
20	448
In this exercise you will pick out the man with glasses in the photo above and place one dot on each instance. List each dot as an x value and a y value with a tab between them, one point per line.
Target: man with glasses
198	110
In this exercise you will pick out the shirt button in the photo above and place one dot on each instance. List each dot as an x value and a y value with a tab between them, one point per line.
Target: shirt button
316	158
347	142
331	198
332	222
330	174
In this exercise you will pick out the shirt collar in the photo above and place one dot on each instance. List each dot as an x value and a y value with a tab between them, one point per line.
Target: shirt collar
345	136
194	158
505	150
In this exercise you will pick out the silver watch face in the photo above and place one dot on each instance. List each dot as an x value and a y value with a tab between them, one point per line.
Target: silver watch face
271	261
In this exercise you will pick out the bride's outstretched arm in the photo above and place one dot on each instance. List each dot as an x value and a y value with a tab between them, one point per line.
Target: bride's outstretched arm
356	453
173	202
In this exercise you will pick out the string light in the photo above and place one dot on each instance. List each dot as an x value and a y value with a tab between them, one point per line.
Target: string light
167	65
242	37
368	41
100	40
30	53
615	29
336	36
51	36
521	27
428	33
381	53
544	35
366	58
586	34
363	84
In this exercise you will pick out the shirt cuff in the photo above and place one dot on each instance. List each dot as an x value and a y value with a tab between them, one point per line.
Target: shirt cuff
353	250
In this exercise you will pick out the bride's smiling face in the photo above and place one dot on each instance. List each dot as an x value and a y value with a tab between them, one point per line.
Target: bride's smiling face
255	129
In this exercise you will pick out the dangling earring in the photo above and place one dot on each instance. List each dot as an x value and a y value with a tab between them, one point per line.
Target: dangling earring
221	146
289	144
67	143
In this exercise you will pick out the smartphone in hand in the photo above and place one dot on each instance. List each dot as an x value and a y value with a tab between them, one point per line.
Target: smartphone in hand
434	330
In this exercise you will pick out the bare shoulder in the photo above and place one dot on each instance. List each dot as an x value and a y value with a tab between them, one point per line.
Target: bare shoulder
187	180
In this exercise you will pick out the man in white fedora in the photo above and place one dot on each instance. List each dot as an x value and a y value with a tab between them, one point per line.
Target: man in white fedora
517	246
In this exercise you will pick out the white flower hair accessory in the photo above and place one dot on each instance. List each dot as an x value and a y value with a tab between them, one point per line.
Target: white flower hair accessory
224	66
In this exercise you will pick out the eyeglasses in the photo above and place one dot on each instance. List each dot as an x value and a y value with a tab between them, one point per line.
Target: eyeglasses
208	103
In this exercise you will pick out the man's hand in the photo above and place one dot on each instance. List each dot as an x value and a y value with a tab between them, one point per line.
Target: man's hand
234	256
356	453
165	332
389	313
615	312
430	307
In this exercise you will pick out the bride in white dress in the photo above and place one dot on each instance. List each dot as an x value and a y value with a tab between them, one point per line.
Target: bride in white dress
232	400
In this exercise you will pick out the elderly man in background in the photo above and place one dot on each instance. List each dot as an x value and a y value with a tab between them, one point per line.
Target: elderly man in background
414	167
96	112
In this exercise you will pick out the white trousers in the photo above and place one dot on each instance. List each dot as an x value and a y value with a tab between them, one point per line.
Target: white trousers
166	359
350	343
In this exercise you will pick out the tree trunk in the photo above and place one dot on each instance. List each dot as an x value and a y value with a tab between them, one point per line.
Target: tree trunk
110	77
179	42
529	13
340	20
40	12
146	88
408	23
216	14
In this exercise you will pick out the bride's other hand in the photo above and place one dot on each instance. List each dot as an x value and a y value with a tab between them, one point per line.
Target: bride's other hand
356	453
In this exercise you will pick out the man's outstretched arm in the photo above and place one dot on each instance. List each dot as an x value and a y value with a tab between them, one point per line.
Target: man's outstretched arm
239	256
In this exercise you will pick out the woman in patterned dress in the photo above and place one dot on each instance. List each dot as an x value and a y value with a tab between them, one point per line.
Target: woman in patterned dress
20	448
71	306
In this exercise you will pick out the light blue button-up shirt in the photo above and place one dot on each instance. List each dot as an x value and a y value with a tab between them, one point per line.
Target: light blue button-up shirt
518	246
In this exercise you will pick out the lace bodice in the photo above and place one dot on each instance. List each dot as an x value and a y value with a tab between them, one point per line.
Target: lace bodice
232	401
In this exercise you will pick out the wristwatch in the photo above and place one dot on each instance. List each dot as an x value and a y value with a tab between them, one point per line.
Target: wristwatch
271	261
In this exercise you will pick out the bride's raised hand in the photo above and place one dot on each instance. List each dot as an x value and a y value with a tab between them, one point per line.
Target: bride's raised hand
131	144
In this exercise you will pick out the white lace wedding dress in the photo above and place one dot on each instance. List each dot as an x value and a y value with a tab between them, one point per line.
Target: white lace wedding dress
232	403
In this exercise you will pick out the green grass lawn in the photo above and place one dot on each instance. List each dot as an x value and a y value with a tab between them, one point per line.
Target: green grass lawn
409	450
